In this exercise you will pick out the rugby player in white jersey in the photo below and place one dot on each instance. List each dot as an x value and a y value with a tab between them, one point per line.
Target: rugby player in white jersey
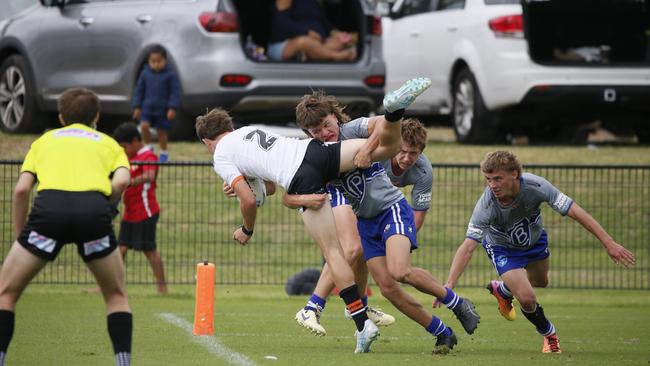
303	167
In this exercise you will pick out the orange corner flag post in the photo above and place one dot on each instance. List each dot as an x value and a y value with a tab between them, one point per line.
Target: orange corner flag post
204	308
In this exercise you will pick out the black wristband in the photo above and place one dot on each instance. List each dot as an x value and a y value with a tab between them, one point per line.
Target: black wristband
394	116
246	231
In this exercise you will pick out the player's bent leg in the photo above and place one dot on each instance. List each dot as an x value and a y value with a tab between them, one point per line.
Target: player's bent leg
18	269
538	272
394	292
398	260
517	281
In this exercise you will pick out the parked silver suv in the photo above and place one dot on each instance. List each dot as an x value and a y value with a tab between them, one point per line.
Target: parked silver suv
102	45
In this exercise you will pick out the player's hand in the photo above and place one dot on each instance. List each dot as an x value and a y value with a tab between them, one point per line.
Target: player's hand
362	159
136	113
620	255
313	201
171	114
438	303
239	236
228	190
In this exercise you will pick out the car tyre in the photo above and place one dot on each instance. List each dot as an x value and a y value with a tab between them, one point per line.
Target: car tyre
473	123
19	112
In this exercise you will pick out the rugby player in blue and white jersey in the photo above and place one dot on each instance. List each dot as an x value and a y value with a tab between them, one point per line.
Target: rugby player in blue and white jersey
385	223
507	222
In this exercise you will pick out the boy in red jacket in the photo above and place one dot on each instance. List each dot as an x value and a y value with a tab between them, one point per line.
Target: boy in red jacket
141	209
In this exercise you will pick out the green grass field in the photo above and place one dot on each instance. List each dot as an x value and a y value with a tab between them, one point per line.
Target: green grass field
62	325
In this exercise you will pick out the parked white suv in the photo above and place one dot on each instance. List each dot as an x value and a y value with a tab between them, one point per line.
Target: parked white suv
540	67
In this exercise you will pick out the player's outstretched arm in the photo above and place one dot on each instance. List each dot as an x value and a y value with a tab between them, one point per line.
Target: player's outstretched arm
20	202
248	209
616	251
461	259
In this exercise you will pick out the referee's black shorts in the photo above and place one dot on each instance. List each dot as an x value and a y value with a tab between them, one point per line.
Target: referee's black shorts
61	217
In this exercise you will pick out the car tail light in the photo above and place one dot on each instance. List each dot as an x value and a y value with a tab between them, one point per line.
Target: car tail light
219	22
510	26
235	80
376	26
375	81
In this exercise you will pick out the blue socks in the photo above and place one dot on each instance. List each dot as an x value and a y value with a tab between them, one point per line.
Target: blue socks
451	300
437	327
315	303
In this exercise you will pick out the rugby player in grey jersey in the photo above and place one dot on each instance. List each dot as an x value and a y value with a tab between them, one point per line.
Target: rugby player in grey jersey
385	223
507	222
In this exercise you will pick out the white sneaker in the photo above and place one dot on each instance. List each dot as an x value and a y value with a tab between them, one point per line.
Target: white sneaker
310	319
365	337
377	316
406	94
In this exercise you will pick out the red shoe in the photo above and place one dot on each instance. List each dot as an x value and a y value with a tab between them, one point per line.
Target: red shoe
505	305
551	344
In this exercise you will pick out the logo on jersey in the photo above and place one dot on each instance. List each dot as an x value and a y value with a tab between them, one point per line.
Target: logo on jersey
561	201
502	260
519	233
423	198
354	184
263	141
387	228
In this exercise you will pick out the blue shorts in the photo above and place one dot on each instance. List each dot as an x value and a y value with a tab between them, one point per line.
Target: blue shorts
156	120
274	50
398	219
504	259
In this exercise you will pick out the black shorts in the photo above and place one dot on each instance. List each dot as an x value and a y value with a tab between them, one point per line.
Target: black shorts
61	217
139	235
320	165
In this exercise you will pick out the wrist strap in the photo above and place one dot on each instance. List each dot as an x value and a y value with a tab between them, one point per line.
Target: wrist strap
246	231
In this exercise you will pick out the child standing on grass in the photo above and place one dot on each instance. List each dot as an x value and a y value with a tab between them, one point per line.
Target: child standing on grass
156	98
141	209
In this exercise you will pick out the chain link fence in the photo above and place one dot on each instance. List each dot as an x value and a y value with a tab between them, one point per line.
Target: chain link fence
197	221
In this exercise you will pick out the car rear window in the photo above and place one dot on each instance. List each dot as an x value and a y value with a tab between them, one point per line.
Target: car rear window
499	2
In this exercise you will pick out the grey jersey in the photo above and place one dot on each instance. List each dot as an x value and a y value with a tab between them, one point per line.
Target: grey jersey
518	225
420	175
368	190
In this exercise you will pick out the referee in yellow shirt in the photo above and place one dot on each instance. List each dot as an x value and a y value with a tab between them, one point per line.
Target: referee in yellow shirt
78	170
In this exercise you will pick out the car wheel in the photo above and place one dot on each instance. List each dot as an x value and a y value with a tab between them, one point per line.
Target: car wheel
472	122
18	110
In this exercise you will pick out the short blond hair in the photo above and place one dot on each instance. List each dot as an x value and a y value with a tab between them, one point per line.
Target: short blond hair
414	133
500	160
213	123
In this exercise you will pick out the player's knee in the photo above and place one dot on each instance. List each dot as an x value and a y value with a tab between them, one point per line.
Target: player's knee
400	274
353	254
389	289
539	282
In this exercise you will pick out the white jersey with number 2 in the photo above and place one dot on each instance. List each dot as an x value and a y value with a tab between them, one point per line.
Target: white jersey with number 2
253	152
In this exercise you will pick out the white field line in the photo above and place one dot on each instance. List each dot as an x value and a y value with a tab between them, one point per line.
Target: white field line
208	342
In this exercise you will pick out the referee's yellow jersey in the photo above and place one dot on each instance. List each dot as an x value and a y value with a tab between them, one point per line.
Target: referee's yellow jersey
75	158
